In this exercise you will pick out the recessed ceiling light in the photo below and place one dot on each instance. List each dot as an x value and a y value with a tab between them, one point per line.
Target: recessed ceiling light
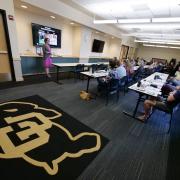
112	37
166	20
97	32
23	6
133	21
53	17
114	21
72	23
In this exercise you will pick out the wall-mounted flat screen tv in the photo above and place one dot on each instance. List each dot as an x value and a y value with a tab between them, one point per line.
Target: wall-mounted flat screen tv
98	46
40	32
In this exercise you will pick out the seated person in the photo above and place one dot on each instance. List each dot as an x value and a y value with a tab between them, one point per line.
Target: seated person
172	100
120	70
167	88
176	80
170	67
132	62
141	62
129	68
113	74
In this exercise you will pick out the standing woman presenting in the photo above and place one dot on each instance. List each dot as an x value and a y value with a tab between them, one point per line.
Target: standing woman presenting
47	56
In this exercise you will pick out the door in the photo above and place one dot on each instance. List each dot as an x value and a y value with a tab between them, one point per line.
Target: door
5	70
124	52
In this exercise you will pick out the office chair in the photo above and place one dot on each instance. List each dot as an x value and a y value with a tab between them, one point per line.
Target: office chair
112	87
169	111
123	83
78	69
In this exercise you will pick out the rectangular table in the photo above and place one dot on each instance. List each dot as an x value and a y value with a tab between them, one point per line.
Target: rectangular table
146	88
61	65
137	67
97	74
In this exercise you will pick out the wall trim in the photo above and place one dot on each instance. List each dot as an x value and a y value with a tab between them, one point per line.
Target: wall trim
3	12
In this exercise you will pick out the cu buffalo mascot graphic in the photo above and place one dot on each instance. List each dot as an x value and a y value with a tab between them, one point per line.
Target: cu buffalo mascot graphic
26	131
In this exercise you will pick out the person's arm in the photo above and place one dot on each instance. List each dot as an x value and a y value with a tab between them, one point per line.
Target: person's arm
171	96
47	50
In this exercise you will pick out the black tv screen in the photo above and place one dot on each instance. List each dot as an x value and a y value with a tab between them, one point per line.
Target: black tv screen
40	32
98	46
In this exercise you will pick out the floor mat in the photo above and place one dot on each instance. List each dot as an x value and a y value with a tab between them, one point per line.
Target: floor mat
40	141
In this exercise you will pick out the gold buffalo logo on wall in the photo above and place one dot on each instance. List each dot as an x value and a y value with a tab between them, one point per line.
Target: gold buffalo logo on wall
25	127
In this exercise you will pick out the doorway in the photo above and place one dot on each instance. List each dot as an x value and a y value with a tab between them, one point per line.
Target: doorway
6	62
124	52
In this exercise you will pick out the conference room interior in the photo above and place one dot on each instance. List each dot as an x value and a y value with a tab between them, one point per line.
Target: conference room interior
82	122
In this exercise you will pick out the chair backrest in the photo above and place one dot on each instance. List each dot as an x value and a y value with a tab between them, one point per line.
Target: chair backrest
102	67
80	67
113	84
158	68
123	81
94	67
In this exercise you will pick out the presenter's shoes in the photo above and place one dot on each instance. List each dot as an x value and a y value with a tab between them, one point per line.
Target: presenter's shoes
48	75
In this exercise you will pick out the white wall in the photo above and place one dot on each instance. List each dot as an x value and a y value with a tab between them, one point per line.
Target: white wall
76	41
111	46
154	52
8	6
24	31
114	48
85	44
62	9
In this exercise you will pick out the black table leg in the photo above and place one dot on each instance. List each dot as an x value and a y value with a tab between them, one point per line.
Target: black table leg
135	110
57	74
87	89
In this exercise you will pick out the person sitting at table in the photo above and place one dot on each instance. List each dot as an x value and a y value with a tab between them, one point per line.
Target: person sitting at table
176	80
132	62
113	74
170	67
136	61
141	62
167	88
172	100
120	69
129	68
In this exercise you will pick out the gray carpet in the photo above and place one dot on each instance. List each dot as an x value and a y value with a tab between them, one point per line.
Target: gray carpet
136	151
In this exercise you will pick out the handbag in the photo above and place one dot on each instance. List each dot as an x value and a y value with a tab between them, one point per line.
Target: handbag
85	96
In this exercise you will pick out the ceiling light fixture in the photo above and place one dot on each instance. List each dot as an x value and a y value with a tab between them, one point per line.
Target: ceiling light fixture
153	41
23	6
72	23
166	20
53	17
131	21
113	21
143	41
151	45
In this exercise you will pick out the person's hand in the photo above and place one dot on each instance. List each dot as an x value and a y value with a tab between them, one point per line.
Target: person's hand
178	87
171	77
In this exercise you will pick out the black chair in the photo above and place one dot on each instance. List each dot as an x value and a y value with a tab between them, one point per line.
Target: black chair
159	68
102	67
139	74
94	67
167	111
77	71
123	83
112	87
